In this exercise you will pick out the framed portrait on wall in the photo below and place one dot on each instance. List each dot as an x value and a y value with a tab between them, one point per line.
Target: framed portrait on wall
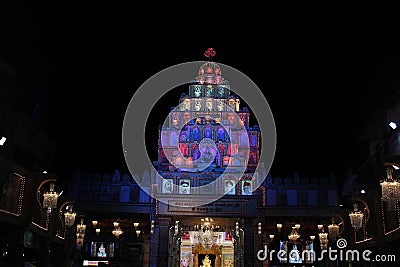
167	186
184	186
247	188
229	187
227	259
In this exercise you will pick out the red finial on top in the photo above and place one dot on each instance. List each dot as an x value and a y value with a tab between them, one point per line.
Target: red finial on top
210	52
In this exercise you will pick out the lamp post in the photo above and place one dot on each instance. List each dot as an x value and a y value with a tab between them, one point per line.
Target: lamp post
333	230
390	189
69	217
323	239
50	198
80	233
47	201
356	217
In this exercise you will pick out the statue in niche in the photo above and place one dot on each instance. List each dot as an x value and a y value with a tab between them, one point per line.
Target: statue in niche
206	262
221	134
295	255
220	105
102	251
196	134
209	105
184	149
207	155
218	160
183	136
195	151
221	148
197	105
252	157
253	140
208	133
231	105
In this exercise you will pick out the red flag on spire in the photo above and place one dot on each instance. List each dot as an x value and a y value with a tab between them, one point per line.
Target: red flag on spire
210	52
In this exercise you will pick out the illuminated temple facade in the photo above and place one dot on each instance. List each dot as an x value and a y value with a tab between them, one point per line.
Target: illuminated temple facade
213	204
195	141
207	148
208	152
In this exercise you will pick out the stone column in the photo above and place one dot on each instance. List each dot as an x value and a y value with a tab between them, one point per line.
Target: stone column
154	246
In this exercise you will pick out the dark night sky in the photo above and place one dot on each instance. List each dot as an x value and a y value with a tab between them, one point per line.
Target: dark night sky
321	84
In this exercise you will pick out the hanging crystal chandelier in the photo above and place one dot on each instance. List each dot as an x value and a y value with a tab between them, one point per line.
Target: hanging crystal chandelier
356	217
80	233
69	217
50	199
117	230
333	230
294	235
205	234
323	239
390	190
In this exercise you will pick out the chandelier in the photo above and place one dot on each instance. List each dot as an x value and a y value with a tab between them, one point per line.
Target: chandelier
80	233
117	230
333	230
69	217
323	239
50	199
356	217
205	234
390	190
294	235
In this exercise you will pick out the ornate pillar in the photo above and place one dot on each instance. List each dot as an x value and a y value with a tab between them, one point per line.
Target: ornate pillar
154	246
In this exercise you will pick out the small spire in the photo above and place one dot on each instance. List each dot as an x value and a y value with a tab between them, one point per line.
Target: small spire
210	52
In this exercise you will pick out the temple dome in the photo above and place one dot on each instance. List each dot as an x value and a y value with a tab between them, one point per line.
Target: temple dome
209	73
